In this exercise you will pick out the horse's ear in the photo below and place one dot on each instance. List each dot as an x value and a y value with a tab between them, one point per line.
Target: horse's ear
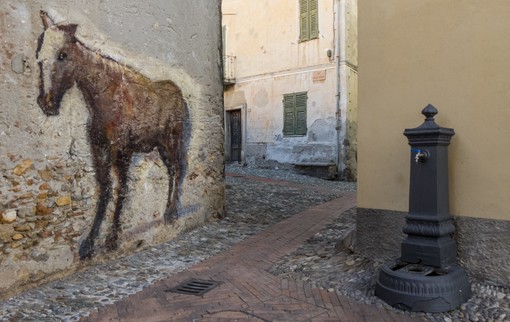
46	19
70	29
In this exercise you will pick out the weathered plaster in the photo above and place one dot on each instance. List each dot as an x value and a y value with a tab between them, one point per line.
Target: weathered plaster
270	64
48	192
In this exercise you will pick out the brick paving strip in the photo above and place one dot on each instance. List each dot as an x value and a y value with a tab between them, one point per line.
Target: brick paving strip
247	291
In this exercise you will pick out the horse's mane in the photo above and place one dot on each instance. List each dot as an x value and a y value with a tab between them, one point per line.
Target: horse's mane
97	42
107	60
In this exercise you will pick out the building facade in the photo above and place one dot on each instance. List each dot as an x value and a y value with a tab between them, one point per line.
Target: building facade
454	56
291	83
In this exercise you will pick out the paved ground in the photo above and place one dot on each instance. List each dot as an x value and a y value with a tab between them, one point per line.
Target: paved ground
257	199
132	287
247	291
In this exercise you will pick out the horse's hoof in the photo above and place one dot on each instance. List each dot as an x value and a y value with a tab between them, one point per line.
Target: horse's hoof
111	243
170	217
86	249
170	220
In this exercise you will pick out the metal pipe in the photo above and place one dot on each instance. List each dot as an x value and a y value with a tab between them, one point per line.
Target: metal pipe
338	87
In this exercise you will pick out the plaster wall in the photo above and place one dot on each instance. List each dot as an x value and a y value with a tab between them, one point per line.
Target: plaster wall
264	36
48	191
450	54
264	118
453	55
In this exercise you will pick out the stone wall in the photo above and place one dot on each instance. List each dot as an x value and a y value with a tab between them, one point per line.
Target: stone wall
110	89
481	243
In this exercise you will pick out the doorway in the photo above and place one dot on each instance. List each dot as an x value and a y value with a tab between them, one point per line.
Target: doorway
235	135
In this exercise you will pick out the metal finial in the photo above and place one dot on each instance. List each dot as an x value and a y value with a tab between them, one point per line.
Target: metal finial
429	111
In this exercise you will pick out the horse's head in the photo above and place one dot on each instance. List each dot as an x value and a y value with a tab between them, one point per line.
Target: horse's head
56	63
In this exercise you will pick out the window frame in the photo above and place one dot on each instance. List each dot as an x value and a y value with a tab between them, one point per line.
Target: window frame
308	20
295	114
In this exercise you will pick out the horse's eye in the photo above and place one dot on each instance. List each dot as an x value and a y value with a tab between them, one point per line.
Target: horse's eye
62	56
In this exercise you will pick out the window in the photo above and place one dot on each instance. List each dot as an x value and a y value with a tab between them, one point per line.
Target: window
294	114
308	19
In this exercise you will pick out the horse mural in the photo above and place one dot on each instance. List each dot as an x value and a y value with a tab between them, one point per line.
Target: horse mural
129	113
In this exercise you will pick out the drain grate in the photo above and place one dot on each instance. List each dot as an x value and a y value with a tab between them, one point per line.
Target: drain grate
194	287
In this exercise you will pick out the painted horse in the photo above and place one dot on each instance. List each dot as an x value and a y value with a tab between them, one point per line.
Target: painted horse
129	113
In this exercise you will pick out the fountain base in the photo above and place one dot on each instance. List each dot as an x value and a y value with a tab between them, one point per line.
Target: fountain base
421	288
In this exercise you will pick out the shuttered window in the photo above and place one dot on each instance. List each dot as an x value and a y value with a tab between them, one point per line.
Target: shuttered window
294	114
308	19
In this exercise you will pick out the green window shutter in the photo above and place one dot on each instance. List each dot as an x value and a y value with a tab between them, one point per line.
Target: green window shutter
288	114
304	29
300	123
294	114
313	13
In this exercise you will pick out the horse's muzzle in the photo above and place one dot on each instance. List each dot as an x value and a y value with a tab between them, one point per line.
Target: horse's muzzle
47	105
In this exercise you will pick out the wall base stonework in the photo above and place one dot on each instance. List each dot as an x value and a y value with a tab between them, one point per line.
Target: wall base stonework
379	233
327	171
482	244
256	153
483	248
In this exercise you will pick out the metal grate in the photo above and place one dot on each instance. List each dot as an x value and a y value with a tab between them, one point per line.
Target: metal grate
194	287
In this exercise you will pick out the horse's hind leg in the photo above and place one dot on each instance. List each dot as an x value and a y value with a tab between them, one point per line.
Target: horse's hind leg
171	154
121	164
102	163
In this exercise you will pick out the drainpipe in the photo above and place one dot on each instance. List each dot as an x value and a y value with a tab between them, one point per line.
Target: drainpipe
340	130
244	130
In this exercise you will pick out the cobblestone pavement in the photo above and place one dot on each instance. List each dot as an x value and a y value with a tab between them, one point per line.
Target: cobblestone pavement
253	204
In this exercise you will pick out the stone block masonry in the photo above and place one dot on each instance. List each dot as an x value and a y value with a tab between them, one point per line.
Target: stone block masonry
110	131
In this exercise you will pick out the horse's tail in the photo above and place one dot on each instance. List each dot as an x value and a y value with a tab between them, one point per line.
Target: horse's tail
183	157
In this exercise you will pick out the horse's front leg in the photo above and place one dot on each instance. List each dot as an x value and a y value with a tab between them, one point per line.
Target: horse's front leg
121	164
102	162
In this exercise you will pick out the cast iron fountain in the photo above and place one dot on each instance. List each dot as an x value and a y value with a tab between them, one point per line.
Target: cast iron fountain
427	276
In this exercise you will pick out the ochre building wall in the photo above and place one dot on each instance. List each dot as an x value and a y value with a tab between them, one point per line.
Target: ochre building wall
452	54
